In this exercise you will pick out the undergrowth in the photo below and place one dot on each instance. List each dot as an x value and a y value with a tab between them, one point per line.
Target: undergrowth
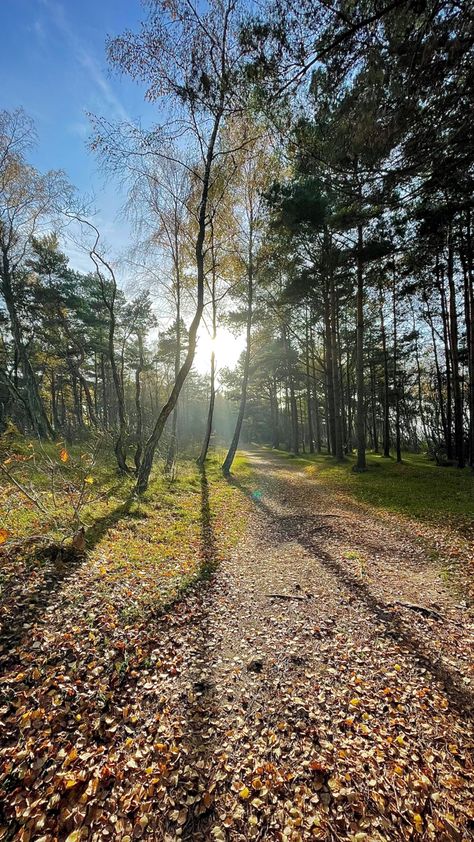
140	553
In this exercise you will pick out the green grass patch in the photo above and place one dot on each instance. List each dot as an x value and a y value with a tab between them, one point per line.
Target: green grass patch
416	488
141	553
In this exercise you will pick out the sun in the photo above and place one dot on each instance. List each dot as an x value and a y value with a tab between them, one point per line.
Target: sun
227	349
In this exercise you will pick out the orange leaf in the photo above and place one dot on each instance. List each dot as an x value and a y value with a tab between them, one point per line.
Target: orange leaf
4	533
63	455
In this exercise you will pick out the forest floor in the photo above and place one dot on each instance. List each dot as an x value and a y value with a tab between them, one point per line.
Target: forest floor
320	685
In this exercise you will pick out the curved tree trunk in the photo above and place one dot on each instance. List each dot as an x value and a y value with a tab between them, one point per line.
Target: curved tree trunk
152	442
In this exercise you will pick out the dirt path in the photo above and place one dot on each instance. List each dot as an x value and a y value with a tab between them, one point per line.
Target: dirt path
291	698
334	713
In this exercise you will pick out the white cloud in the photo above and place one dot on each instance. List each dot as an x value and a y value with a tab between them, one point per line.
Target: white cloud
85	58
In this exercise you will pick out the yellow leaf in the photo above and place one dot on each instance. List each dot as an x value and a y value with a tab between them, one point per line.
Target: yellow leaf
244	792
354	702
418	822
63	455
4	533
72	756
89	480
74	836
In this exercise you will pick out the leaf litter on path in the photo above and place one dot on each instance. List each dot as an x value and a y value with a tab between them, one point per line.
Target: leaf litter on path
356	725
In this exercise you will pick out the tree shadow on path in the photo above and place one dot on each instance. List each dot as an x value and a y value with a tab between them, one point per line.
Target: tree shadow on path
200	698
306	531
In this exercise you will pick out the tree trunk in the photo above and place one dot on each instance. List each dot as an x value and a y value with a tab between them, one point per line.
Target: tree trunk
386	382
457	392
308	387
167	409
317	414
105	414
210	412
173	445
227	465
41	423
329	373
338	449
361	464
212	395
396	382
274	414
418	378
138	403
373	401
469	311
446	341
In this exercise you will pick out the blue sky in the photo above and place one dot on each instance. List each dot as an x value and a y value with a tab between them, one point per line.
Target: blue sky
53	63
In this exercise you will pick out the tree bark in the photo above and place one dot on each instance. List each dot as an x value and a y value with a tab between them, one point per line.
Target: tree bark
361	464
386	382
453	321
336	383
37	412
396	381
138	403
212	395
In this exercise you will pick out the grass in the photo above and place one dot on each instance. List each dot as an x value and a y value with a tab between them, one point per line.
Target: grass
141	553
416	488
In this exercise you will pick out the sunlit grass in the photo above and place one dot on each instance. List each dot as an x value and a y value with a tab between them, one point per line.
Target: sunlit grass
141	552
417	487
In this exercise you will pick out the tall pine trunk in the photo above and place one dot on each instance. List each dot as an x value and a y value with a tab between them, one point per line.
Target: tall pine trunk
36	409
453	323
361	464
336	381
386	382
227	465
